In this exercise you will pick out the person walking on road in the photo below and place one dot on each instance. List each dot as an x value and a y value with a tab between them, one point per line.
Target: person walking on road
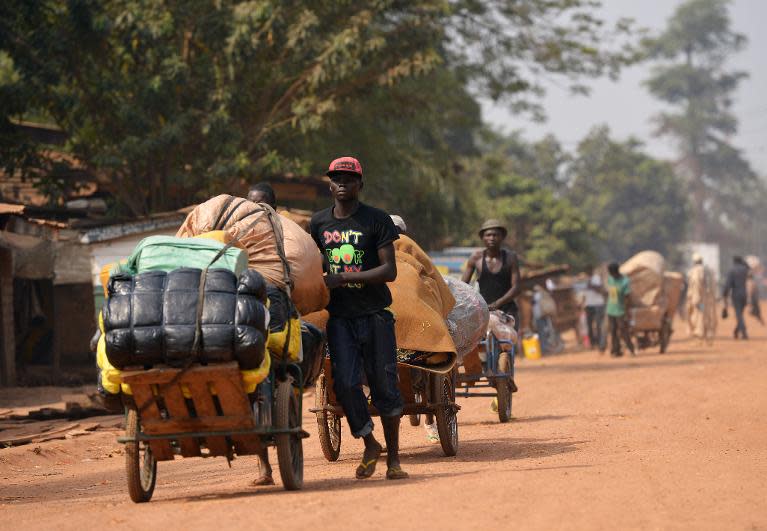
618	291
701	300
594	302
356	241
735	287
497	270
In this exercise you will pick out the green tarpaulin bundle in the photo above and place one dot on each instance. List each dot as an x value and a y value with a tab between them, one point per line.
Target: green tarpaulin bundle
166	253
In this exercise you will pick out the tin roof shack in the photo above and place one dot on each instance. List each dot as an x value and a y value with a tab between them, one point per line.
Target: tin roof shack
49	273
46	295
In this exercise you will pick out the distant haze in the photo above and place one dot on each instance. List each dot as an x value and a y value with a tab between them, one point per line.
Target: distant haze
626	106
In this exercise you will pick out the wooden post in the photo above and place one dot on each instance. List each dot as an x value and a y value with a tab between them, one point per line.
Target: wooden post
7	338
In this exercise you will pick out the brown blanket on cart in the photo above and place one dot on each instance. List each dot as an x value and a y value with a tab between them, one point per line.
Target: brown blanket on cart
421	302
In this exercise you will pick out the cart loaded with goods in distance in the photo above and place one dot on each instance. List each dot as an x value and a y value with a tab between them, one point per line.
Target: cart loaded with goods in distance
201	340
655	295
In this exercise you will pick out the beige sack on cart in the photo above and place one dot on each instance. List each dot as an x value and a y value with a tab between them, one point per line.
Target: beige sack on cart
235	214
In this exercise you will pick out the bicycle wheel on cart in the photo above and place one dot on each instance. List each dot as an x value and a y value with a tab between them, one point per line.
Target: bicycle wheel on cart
290	450
328	424
446	414
503	388
140	464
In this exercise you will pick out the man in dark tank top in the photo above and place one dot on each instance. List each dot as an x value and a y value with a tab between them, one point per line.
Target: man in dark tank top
497	270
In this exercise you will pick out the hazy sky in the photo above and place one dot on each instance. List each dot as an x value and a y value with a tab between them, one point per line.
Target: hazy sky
627	107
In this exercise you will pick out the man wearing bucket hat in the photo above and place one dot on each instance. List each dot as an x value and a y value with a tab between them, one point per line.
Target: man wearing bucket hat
356	241
497	270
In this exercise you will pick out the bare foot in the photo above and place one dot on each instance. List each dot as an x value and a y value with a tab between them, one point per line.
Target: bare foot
263	481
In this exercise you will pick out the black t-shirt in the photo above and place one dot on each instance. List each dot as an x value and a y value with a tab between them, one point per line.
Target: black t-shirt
350	245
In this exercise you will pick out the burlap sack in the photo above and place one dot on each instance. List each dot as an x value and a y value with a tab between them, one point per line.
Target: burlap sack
645	270
503	330
673	283
421	301
647	317
318	319
235	214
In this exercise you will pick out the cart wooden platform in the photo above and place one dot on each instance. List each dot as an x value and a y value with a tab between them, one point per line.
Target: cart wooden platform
216	418
423	392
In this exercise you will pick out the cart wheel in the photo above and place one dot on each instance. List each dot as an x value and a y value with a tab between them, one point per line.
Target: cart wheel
665	335
139	463
290	451
443	392
503	390
328	424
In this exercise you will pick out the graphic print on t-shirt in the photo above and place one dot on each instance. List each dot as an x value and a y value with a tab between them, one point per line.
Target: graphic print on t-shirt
344	258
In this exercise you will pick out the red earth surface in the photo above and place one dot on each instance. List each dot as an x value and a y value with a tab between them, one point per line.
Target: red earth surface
674	441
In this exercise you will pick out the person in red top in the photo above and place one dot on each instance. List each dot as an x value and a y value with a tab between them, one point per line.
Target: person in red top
356	241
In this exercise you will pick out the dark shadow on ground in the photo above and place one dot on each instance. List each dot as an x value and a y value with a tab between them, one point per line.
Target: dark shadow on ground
485	450
514	420
539	468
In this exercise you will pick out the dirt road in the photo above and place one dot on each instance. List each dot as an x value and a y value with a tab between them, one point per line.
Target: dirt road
653	442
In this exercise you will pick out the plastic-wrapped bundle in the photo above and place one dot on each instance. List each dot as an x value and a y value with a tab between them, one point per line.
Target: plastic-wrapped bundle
467	321
150	318
502	327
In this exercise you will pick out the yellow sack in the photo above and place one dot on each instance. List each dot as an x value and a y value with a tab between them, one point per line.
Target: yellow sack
276	342
110	376
221	236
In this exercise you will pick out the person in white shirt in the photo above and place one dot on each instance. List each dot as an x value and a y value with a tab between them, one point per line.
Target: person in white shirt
594	301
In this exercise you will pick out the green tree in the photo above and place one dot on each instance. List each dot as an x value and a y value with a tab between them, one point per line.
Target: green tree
543	228
505	51
693	77
636	201
409	139
167	98
170	101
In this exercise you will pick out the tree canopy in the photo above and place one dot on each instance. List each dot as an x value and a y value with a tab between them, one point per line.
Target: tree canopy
636	201
693	76
170	100
543	227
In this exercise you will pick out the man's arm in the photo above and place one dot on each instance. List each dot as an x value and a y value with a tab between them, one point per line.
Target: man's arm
471	266
728	286
513	290
596	286
627	296
386	272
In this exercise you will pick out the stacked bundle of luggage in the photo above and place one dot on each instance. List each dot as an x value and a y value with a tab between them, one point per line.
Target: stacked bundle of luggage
229	287
152	318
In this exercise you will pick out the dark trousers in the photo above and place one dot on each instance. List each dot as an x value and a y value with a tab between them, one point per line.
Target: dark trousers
594	317
619	328
368	344
740	325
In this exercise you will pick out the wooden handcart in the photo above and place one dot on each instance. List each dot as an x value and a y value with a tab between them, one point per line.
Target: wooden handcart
492	378
423	392
215	418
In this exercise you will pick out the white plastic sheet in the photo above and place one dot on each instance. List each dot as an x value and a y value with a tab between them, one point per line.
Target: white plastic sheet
467	321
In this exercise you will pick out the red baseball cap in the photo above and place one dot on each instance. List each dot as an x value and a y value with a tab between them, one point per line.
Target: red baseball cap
345	165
